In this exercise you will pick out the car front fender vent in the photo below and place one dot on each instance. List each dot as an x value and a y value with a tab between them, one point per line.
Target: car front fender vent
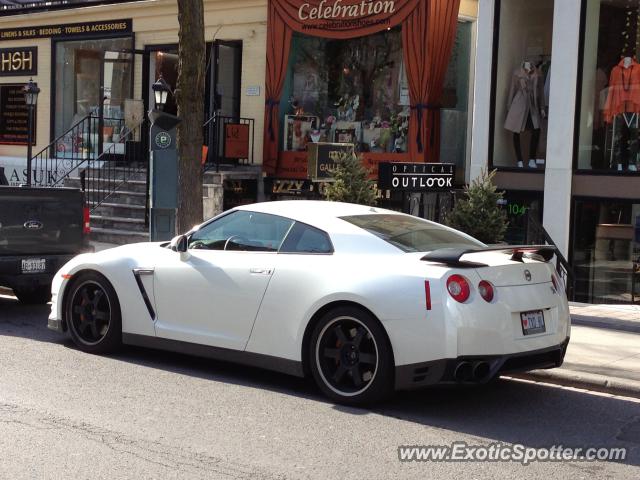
137	273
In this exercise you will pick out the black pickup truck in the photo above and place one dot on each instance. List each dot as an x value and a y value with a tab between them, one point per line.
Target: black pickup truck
40	230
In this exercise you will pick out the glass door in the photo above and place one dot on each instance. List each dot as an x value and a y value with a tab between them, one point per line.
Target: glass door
227	60
224	102
88	72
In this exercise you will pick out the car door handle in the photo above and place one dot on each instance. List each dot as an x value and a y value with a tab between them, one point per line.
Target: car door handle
261	270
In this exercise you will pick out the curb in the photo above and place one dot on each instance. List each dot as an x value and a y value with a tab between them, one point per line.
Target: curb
588	381
606	322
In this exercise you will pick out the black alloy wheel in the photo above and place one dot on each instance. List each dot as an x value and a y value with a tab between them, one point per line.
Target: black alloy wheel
92	314
351	359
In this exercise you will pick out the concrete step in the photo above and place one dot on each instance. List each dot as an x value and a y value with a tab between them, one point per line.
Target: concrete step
118	237
104	184
123	197
116	173
113	209
72	182
118	223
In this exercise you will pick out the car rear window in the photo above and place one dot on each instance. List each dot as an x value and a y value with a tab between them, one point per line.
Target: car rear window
411	234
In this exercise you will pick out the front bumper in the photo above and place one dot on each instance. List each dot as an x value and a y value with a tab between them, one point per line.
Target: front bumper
56	325
441	372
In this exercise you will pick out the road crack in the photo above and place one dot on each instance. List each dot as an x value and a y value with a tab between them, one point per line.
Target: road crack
183	462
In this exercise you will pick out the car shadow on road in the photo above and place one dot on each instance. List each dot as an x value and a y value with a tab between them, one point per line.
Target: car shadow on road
506	411
27	321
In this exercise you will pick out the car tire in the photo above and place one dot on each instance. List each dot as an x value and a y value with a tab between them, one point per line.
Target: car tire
350	357
92	314
40	295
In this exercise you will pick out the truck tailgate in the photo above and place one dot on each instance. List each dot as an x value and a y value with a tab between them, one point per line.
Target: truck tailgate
40	221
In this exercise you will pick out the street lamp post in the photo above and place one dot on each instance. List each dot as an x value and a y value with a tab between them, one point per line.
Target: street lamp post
161	92
31	92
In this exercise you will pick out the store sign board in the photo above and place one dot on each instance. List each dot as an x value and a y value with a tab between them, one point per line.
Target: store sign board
323	159
290	187
343	18
416	177
67	30
14	116
18	61
236	140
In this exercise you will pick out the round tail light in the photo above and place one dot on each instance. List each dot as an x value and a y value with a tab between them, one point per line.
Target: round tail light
458	288
486	290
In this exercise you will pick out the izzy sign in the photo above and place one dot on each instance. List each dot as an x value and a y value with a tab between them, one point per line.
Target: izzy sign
416	177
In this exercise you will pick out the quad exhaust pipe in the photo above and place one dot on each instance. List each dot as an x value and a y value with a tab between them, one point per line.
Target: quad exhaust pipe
467	371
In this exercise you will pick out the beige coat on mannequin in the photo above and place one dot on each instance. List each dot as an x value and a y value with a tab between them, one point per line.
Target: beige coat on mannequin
525	98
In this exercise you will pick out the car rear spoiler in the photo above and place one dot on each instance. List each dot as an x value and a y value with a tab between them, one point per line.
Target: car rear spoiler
452	256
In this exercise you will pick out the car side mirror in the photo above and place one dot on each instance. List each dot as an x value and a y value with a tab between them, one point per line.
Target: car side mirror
179	244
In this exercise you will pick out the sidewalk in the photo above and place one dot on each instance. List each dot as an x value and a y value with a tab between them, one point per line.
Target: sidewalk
99	246
618	317
604	351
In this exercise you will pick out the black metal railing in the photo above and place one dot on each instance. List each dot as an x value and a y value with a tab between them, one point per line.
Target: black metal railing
119	163
230	141
539	235
65	154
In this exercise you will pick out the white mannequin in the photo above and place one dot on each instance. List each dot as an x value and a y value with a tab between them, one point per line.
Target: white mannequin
626	62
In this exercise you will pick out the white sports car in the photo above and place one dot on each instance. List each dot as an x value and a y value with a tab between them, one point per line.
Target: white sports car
363	299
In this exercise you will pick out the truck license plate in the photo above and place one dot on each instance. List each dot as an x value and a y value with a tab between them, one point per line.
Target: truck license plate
34	265
532	322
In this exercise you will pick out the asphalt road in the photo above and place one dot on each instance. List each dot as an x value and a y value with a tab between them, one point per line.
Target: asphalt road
146	414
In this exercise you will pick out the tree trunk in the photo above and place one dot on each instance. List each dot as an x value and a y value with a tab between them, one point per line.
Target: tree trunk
190	100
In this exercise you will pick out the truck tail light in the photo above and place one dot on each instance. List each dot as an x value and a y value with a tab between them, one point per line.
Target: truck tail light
86	226
458	288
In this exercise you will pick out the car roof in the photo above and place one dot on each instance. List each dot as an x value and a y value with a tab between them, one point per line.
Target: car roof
314	212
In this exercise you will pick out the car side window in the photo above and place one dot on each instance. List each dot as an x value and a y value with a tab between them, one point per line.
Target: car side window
304	238
242	230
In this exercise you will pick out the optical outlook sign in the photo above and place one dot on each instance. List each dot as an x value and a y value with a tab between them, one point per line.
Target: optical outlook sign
416	177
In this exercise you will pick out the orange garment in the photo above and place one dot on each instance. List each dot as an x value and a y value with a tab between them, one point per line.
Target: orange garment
624	91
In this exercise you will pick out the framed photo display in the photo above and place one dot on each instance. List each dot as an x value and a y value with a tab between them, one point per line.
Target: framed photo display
297	129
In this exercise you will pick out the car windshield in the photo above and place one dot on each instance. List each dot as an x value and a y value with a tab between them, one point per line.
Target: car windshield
411	234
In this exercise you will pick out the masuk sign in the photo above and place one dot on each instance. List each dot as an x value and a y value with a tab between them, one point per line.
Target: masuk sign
416	177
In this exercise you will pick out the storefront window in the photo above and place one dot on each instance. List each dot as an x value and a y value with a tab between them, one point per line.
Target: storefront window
524	216
88	72
455	103
610	104
348	91
522	83
606	251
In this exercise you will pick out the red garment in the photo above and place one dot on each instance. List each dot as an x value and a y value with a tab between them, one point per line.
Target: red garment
624	91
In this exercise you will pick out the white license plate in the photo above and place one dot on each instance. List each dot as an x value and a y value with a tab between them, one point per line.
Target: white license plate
532	322
34	265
